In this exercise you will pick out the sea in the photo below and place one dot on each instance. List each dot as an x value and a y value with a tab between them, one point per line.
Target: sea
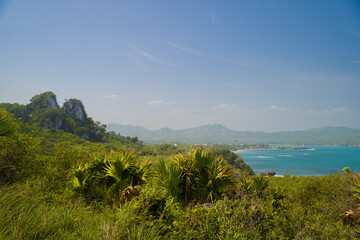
314	161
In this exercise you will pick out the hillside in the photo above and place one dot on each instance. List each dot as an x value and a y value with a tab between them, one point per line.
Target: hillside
219	134
44	111
67	187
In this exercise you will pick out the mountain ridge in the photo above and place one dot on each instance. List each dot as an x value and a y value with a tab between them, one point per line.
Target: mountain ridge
217	133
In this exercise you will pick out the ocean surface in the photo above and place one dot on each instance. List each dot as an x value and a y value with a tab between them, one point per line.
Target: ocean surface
316	161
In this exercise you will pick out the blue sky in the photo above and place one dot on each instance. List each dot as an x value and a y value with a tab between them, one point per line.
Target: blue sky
249	65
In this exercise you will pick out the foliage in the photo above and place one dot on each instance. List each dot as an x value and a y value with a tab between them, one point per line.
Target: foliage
197	176
115	177
8	125
18	110
235	160
43	111
41	101
23	215
67	187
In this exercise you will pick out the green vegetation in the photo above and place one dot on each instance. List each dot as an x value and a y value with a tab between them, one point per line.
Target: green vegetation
58	185
44	111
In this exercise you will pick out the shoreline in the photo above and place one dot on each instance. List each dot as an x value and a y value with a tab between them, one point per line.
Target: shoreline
273	148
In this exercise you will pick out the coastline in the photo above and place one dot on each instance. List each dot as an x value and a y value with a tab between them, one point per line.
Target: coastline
273	148
315	161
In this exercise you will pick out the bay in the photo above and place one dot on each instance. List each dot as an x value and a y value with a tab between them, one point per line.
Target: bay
315	161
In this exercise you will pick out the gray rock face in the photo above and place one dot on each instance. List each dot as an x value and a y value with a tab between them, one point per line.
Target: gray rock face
75	109
43	100
51	102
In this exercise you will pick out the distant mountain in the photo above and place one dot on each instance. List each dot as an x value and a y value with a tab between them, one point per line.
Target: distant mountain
217	133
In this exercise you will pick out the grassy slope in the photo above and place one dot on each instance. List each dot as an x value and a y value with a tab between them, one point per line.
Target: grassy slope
43	205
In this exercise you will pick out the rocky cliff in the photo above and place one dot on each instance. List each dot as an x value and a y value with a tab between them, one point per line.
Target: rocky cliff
43	100
75	109
44	111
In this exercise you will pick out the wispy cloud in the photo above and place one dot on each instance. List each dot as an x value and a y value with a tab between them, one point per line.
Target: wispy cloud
185	49
277	108
217	58
148	55
220	106
110	96
224	106
336	110
154	103
141	64
244	64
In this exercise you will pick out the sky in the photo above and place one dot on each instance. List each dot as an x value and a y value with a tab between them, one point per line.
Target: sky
248	65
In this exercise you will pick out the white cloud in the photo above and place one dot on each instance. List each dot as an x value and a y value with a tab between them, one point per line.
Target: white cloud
277	108
110	96
225	106
336	110
154	103
159	103
220	106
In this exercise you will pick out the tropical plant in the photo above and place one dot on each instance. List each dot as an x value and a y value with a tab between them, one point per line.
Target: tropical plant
168	178
7	124
116	178
198	176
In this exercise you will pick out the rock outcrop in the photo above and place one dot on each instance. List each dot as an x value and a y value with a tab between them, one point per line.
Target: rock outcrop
44	100
75	109
269	173
54	124
51	102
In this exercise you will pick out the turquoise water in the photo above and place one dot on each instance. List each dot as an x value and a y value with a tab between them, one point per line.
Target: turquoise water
318	160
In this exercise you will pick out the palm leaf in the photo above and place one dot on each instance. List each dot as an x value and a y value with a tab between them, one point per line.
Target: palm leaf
7	124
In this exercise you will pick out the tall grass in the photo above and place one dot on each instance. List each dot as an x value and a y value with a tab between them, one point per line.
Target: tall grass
24	216
263	208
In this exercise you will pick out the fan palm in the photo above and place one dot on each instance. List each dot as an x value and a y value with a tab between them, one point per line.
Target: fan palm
213	175
126	175
168	178
219	177
80	177
7	124
202	176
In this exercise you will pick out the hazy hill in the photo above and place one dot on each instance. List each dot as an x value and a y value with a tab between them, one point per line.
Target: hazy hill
217	133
